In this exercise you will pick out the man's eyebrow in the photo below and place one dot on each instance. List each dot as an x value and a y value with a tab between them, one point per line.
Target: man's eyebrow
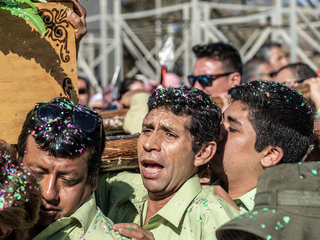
147	125
234	120
167	128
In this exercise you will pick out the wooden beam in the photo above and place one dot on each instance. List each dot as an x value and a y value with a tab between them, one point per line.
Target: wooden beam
120	153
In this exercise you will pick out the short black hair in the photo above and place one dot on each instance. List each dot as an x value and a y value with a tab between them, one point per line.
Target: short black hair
223	52
188	101
300	71
251	69
279	115
265	50
62	139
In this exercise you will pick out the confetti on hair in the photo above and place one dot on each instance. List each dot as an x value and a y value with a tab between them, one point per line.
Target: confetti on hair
14	180
51	126
179	97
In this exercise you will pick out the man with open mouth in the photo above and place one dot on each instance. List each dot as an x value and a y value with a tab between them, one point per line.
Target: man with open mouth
178	139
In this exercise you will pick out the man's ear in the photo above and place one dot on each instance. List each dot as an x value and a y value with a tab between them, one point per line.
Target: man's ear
236	78
271	156
205	154
94	182
4	232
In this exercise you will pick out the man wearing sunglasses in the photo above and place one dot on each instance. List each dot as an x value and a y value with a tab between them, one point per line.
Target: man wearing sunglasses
61	143
218	68
84	91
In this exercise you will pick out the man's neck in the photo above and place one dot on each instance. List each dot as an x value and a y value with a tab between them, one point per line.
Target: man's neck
35	230
155	204
238	187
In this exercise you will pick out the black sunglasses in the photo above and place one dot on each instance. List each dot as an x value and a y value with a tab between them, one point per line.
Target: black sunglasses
82	119
206	80
82	90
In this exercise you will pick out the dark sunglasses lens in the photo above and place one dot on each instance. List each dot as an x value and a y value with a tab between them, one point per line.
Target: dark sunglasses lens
272	74
48	113
191	80
82	91
205	81
85	122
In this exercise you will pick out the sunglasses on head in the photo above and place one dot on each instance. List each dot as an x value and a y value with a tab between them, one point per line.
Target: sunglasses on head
206	80
82	120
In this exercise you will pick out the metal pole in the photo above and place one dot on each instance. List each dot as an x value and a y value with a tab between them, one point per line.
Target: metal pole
186	38
158	42
117	36
293	33
277	19
196	34
103	43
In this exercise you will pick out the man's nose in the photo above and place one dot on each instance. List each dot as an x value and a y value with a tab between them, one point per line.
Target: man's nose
49	188
152	142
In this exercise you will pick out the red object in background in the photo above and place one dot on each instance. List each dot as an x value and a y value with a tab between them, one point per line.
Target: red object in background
163	75
318	73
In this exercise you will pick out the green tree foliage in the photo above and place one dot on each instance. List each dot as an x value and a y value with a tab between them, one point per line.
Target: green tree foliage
25	9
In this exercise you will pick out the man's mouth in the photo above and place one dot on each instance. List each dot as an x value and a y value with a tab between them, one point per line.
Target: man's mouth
151	168
47	211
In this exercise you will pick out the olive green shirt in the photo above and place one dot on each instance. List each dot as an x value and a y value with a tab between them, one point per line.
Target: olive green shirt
246	202
192	213
88	222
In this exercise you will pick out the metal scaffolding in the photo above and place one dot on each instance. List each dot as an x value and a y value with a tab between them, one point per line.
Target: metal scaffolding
246	26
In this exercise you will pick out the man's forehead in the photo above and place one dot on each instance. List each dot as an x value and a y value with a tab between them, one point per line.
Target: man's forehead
165	118
207	66
33	148
236	111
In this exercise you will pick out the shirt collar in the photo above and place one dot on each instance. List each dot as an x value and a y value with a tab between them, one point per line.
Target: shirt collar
248	199
84	214
174	210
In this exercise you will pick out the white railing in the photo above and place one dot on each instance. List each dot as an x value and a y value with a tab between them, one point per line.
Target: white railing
291	25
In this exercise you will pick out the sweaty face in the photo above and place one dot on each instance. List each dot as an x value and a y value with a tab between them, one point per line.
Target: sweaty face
62	181
236	157
277	59
206	66
165	157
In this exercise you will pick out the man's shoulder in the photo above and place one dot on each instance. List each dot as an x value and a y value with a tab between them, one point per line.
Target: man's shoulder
210	209
88	222
209	202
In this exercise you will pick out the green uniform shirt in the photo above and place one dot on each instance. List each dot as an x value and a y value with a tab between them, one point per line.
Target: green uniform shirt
193	212
246	201
88	222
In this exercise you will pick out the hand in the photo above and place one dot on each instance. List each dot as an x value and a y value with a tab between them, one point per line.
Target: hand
77	18
314	85
133	231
